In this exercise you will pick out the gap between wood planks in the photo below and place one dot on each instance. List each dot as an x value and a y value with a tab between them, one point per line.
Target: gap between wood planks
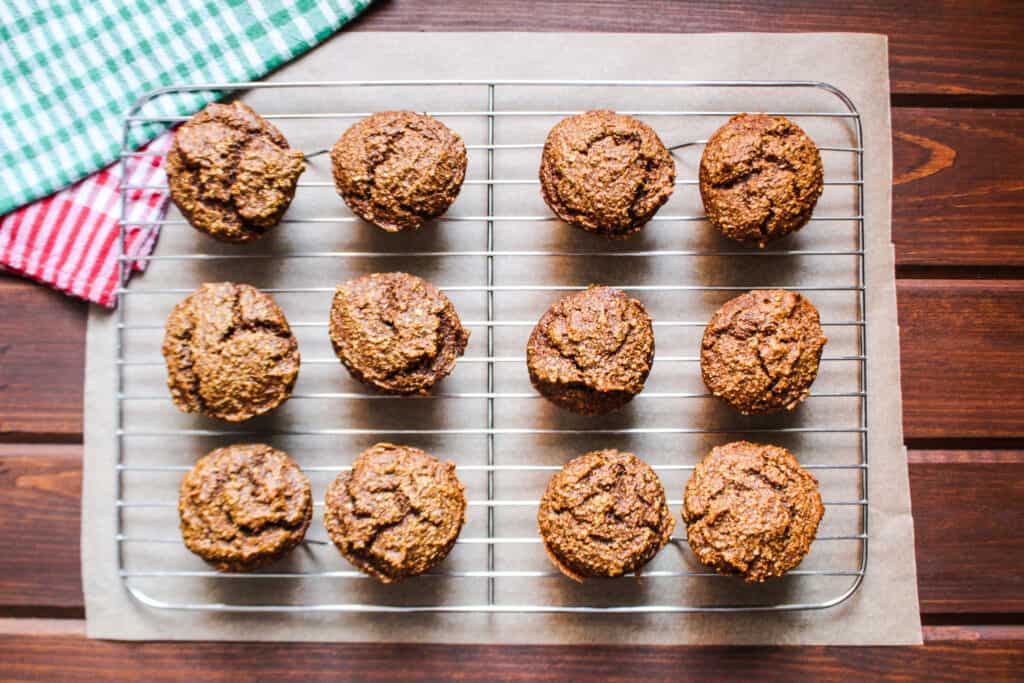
949	272
957	101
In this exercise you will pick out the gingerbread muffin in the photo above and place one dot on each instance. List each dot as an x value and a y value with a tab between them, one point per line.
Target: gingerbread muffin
231	173
591	351
761	350
396	332
399	169
244	506
397	513
603	515
760	177
605	172
751	510
230	354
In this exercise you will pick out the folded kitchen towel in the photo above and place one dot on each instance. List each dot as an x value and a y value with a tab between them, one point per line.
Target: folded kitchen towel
70	239
69	70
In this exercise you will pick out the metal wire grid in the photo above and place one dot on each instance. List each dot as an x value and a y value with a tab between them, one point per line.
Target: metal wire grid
121	397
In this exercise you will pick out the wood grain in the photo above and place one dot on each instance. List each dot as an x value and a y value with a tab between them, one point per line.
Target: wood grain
73	658
967	517
961	343
958	195
966	521
42	362
953	48
40	504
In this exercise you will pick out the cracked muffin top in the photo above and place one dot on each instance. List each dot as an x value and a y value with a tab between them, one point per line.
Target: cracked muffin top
396	332
244	506
605	172
604	514
231	173
229	351
751	510
396	513
761	350
760	177
399	169
591	351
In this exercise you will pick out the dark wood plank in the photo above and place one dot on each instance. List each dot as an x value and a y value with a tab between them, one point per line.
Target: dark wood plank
968	506
74	658
958	196
961	358
42	360
968	509
40	502
953	48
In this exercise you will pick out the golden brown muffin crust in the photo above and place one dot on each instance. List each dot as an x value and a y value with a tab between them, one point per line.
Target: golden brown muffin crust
244	506
751	510
605	172
761	350
231	172
398	169
603	515
591	351
230	353
397	513
760	177
396	332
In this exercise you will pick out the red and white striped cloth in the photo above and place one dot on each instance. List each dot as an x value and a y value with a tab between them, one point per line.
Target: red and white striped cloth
69	239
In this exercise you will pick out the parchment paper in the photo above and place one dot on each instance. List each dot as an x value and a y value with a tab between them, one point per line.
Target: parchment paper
883	611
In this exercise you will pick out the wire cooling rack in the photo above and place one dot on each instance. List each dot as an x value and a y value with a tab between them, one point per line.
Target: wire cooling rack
506	442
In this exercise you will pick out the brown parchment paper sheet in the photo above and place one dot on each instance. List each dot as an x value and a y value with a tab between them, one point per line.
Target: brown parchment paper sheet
883	611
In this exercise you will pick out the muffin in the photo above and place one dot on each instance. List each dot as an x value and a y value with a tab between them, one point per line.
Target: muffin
603	515
244	506
751	510
591	351
760	177
396	332
230	354
396	513
605	172
399	169
761	350
231	173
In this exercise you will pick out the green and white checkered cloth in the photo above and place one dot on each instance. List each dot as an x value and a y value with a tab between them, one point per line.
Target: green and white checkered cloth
69	69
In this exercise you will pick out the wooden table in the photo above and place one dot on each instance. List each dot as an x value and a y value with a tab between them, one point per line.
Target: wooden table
958	224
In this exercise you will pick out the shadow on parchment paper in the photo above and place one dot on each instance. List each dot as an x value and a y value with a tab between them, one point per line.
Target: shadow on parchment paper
248	591
557	236
399	411
360	591
421	590
753	273
610	270
549	416
732	590
323	556
264	273
433	236
614	592
720	414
